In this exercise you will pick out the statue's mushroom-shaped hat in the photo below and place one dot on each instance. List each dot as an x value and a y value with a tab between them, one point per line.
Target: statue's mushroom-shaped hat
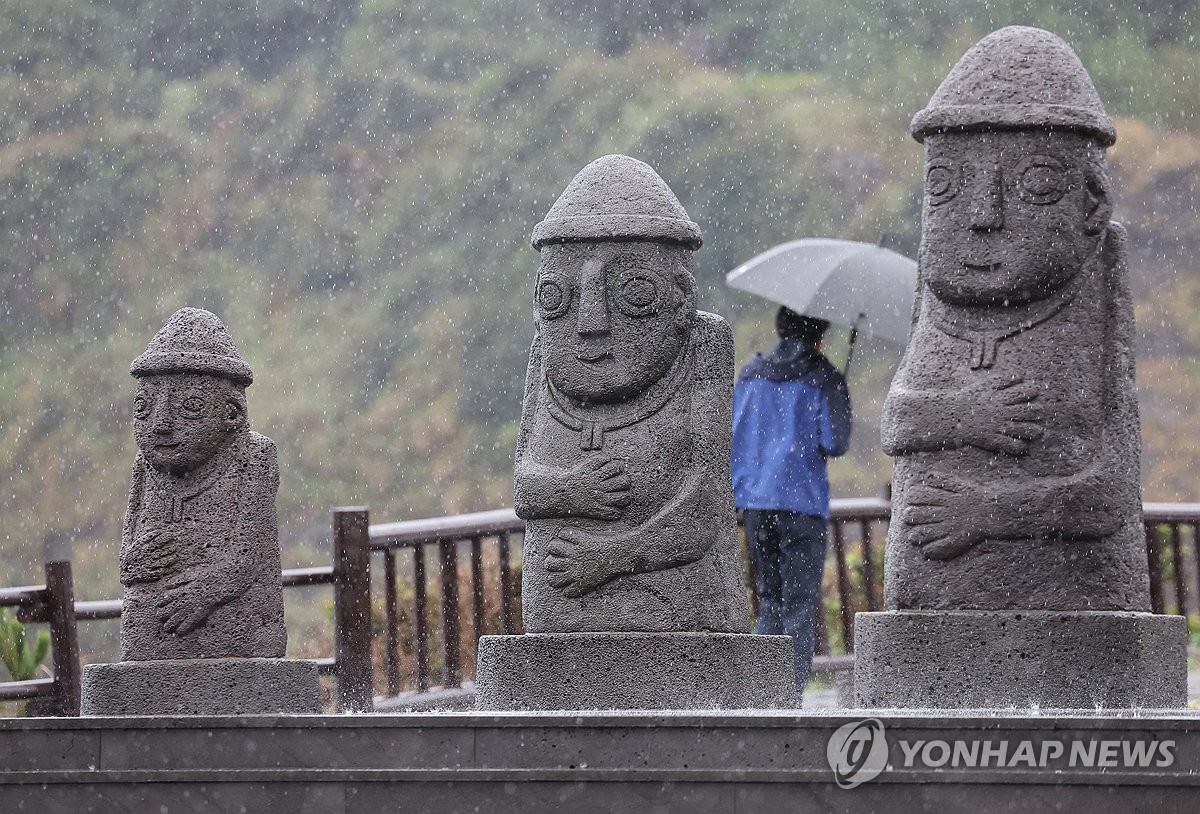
1017	78
193	341
617	198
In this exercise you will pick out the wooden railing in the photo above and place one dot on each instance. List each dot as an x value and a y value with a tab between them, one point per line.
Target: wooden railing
52	603
444	551
854	582
49	604
1173	554
448	580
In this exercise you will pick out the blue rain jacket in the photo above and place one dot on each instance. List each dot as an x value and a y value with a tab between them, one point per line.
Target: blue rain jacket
791	411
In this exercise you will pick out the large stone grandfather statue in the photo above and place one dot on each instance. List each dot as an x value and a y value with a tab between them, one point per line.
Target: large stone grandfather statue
623	459
632	586
1013	416
202	619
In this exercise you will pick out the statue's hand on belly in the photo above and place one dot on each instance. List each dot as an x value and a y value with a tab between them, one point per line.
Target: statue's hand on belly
152	556
578	563
187	603
940	516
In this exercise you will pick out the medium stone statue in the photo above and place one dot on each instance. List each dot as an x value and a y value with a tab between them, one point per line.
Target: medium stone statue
1013	415
199	548
623	457
632	586
202	619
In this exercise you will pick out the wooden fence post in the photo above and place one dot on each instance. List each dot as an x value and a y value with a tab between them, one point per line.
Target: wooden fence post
1177	563
352	609
64	642
1154	566
448	562
844	589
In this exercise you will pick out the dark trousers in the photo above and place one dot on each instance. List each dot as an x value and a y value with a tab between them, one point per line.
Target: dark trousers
788	549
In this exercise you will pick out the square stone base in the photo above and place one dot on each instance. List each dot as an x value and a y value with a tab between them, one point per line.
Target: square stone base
555	671
1009	659
201	687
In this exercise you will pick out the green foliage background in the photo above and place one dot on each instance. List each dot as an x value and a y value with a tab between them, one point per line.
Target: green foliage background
351	187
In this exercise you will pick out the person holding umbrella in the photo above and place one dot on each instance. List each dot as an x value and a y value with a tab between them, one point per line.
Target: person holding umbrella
791	412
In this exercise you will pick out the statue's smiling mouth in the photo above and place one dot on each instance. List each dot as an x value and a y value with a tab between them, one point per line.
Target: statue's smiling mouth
593	357
985	268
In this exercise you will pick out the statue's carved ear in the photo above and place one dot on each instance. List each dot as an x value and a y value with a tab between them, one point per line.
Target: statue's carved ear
685	290
1099	204
234	415
685	311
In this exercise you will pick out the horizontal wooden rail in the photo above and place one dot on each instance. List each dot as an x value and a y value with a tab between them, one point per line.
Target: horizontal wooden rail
23	595
98	609
298	577
860	508
498	521
22	690
1171	512
444	529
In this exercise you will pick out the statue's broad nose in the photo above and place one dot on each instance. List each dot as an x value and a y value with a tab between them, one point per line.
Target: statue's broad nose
160	415
987	200
593	300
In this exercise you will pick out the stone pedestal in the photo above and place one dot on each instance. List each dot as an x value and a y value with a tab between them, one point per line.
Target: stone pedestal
1012	659
635	671
202	687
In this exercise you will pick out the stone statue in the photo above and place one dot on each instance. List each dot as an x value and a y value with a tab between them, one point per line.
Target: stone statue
199	548
632	591
622	463
1013	416
202	619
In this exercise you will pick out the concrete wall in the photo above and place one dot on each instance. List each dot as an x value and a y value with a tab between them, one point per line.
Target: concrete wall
585	762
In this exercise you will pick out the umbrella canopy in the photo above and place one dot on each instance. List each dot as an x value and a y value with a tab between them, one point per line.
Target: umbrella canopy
866	287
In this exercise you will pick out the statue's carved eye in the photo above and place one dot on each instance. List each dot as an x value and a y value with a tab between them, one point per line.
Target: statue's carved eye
553	297
941	182
141	407
1041	179
193	405
637	294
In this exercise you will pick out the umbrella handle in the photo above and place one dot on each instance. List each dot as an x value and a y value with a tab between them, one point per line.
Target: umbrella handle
853	339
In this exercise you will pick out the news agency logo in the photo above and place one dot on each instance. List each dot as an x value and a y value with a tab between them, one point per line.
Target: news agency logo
857	752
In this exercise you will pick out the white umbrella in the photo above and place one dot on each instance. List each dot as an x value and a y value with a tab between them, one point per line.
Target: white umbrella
861	285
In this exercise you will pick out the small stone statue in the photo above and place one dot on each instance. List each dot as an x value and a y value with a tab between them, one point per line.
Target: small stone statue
1013	416
623	458
202	628
199	549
